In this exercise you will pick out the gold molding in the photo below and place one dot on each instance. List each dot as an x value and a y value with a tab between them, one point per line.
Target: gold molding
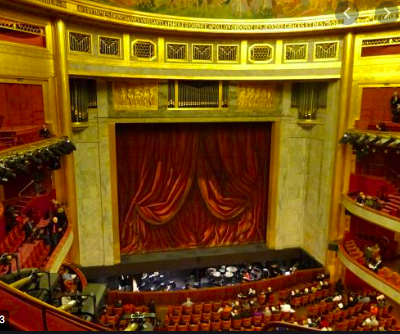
113	14
80	52
256	95
135	93
143	40
370	42
236	61
177	60
114	191
336	57
285	60
199	60
120	52
250	49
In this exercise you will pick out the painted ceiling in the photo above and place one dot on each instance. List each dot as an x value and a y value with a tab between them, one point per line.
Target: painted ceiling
239	9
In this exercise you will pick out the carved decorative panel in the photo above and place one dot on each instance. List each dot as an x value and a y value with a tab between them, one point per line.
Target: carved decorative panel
109	46
177	51
228	53
381	41
326	50
202	52
135	95
80	42
257	95
261	53
21	26
296	52
144	50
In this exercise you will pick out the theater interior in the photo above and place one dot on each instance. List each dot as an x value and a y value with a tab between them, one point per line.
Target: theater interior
199	165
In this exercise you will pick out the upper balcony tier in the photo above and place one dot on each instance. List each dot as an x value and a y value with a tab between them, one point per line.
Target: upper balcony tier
373	216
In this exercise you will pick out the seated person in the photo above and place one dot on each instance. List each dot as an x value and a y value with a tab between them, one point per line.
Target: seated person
69	281
361	198
44	132
187	303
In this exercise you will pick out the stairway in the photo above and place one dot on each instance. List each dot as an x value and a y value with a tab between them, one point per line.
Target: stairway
393	205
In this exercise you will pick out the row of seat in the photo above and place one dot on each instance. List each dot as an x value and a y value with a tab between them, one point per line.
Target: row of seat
12	241
112	315
37	256
385	273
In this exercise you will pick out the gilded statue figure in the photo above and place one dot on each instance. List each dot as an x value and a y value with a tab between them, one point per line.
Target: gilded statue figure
135	96
256	96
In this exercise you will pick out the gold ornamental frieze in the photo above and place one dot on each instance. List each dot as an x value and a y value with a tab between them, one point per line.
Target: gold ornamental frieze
88	9
257	96
135	96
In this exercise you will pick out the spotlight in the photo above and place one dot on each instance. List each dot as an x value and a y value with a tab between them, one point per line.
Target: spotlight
387	143
54	149
17	164
375	140
70	144
33	157
354	139
55	164
363	141
345	139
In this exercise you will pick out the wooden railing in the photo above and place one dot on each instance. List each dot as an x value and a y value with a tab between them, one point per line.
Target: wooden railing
30	314
368	276
275	325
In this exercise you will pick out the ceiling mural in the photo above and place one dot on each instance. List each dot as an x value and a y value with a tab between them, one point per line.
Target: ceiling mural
239	9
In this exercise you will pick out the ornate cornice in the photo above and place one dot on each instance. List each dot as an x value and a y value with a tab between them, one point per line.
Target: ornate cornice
89	9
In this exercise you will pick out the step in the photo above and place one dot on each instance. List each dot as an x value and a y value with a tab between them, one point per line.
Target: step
390	207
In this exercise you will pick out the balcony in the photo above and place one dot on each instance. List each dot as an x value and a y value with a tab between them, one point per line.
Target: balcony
390	290
373	216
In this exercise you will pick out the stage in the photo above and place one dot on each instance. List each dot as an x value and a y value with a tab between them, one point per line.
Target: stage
199	258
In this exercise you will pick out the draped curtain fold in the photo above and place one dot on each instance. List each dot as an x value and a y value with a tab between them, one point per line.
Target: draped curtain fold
161	204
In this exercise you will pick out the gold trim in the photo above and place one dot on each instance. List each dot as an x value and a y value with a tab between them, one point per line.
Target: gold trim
341	167
89	9
15	27
326	59
177	60
273	186
64	121
203	61
80	52
143	40
161	50
205	77
114	192
371	42
236	61
295	60
261	61
120	53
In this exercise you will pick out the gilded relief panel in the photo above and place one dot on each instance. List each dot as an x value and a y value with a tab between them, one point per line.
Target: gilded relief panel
135	95
257	96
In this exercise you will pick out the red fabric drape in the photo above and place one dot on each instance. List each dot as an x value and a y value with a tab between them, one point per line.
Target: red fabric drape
22	105
185	185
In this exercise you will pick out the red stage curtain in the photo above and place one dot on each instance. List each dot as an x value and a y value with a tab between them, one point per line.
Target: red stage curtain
188	185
